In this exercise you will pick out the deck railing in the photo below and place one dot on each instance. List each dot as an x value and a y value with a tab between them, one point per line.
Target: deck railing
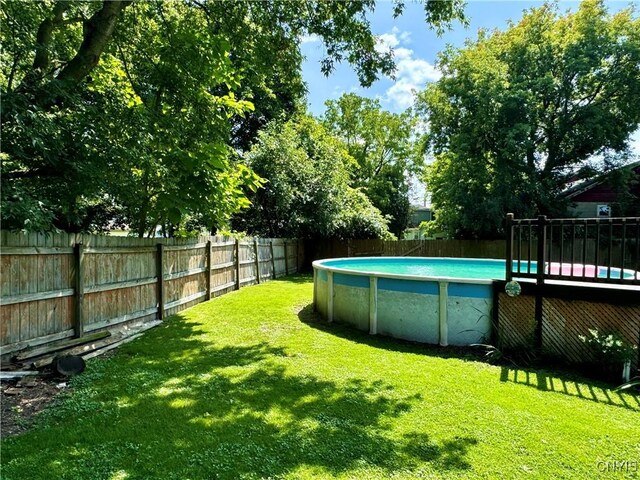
603	250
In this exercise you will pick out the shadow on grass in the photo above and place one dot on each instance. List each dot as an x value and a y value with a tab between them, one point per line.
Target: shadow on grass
586	389
314	320
175	405
559	382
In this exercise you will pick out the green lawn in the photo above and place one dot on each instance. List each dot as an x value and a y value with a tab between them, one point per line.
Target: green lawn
251	385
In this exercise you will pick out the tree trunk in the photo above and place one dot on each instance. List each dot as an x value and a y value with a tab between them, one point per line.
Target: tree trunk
98	31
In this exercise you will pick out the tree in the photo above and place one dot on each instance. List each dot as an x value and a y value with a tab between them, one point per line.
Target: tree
307	192
518	113
133	111
382	144
143	138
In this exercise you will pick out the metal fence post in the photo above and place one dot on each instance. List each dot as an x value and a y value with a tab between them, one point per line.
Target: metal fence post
509	252
542	240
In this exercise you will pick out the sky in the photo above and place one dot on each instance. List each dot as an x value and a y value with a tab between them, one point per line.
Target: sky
415	47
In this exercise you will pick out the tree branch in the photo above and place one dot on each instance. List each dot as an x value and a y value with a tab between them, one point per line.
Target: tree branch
37	173
98	32
43	37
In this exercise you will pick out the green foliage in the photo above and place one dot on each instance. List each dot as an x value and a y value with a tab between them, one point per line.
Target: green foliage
143	138
609	347
131	113
307	193
519	113
382	144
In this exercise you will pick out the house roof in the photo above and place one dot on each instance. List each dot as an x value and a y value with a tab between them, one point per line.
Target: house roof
587	185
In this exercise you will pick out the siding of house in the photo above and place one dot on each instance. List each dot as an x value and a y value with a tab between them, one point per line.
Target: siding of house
585	204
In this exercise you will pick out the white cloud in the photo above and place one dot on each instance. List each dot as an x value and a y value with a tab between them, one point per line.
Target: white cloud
386	42
405	37
309	38
412	74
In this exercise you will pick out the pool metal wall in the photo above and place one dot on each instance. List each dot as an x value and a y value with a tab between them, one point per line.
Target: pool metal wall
436	311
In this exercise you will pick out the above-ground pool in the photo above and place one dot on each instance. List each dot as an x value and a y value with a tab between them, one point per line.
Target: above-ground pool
446	301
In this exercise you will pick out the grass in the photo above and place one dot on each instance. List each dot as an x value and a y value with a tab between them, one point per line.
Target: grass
252	385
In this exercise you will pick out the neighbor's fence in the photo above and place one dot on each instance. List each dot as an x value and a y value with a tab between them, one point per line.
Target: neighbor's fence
62	285
416	248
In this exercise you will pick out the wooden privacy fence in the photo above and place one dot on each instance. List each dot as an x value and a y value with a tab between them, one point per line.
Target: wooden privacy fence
415	248
62	285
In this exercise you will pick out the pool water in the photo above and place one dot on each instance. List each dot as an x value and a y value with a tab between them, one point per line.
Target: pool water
424	267
488	269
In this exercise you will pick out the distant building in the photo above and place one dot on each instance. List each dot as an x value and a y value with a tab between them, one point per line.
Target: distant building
605	197
419	214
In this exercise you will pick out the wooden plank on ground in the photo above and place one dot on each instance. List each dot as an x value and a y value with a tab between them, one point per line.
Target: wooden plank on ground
60	346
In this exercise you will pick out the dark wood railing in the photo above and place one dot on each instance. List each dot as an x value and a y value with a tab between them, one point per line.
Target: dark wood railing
603	250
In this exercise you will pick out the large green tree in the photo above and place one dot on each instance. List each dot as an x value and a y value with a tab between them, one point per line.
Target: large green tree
519	113
307	192
382	144
137	130
135	110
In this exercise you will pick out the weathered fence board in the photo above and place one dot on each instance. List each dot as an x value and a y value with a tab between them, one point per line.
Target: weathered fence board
120	280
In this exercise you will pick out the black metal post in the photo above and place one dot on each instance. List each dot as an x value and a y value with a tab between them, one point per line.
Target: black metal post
542	240
509	252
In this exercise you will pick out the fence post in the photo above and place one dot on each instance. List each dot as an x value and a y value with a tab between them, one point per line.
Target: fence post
273	260
255	251
286	259
160	275
542	245
542	241
79	317
237	264
297	255
509	252
209	262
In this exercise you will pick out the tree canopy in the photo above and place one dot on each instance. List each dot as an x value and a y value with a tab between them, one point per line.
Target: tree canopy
134	112
382	144
307	193
519	113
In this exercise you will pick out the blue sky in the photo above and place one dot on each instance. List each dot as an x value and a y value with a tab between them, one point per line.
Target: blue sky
416	48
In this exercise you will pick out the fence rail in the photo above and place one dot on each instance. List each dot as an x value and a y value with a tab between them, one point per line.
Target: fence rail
63	285
601	250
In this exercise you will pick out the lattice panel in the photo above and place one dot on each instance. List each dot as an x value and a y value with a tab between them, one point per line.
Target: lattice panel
516	321
565	320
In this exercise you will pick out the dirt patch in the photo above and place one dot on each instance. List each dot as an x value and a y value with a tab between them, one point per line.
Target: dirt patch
21	401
